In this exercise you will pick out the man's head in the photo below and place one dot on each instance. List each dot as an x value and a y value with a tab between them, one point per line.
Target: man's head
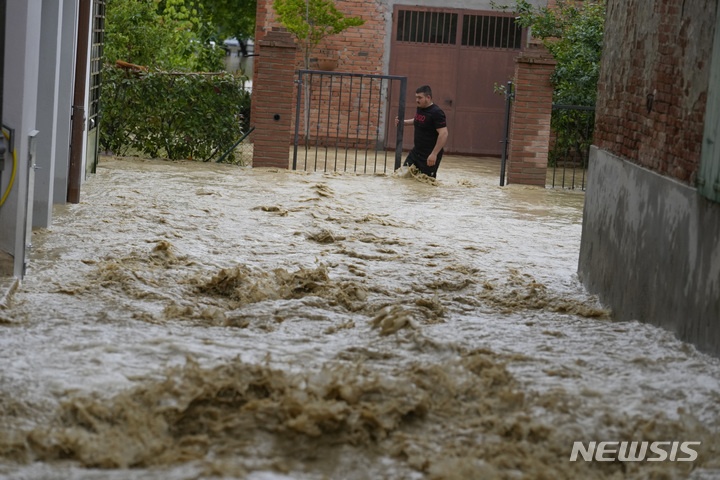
423	96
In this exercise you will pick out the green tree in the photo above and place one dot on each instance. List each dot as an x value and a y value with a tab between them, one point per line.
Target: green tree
167	34
214	20
310	21
232	18
193	32
136	34
573	34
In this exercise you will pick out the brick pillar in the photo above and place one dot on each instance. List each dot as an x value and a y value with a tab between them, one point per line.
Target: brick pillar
530	121
272	99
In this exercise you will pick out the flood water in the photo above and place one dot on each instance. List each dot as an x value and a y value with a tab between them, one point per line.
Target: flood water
189	321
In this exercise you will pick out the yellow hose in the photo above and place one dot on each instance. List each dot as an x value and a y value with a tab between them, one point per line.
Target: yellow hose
12	177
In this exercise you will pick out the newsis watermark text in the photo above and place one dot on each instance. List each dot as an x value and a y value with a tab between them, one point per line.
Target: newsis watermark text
634	451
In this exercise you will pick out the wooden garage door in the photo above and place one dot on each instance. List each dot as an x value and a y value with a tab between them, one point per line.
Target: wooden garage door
461	54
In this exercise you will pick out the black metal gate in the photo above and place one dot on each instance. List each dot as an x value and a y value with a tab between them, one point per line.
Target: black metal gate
96	58
343	121
571	135
572	128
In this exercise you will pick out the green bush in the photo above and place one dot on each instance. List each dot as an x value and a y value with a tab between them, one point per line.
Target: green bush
172	115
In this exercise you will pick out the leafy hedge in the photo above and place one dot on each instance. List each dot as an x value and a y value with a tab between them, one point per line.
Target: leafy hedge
177	116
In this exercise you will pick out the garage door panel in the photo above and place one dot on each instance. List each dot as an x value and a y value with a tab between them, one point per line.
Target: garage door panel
482	71
480	113
478	133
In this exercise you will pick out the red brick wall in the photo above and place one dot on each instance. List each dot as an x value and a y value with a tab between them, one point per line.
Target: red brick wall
357	50
273	100
531	112
652	89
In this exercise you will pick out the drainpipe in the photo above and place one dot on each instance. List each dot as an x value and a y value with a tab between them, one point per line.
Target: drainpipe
78	109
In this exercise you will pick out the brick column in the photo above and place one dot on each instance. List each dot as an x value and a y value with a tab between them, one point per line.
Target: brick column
530	120
272	99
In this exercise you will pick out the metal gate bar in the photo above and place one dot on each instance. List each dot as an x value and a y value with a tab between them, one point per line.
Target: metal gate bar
509	95
349	111
573	126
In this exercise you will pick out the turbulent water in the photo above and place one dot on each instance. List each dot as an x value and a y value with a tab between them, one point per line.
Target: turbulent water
190	321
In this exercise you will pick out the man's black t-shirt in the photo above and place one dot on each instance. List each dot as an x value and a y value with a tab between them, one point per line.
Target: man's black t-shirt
427	121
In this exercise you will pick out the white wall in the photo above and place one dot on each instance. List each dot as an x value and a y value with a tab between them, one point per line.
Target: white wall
47	111
22	50
64	100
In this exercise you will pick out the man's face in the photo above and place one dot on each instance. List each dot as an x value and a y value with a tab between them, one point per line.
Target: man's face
423	101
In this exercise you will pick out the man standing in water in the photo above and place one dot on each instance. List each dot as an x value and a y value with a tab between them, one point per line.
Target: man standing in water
431	133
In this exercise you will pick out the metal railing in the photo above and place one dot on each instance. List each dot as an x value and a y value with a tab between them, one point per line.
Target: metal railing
509	95
343	121
572	129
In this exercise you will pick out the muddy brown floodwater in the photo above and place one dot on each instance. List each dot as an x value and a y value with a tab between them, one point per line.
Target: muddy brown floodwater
189	321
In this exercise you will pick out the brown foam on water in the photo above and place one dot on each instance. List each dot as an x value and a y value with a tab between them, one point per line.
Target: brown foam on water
522	291
380	220
391	319
325	236
138	275
273	209
164	253
464	418
323	190
414	173
142	275
224	411
243	285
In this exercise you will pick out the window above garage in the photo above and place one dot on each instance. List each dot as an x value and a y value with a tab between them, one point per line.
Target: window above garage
491	32
441	28
427	27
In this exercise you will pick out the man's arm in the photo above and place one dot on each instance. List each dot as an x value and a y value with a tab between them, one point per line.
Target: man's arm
439	144
407	121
